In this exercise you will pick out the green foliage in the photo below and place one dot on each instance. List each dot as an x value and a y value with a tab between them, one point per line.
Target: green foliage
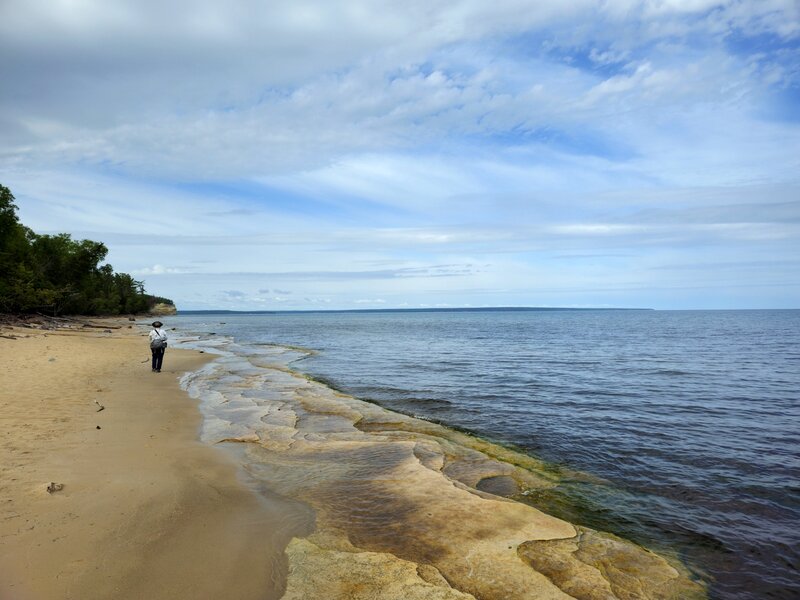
58	274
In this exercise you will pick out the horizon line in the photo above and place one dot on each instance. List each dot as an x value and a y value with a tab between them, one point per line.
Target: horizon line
415	309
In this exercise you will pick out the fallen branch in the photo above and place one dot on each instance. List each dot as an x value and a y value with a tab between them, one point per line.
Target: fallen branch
56	318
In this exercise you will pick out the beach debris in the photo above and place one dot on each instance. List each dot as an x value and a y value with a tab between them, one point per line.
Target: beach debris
131	318
9	337
98	427
47	322
51	359
101	407
54	487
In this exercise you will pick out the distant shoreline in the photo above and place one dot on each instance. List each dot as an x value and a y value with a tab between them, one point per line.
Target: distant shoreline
406	310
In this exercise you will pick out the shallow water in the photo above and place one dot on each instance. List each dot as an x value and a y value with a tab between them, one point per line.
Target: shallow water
688	420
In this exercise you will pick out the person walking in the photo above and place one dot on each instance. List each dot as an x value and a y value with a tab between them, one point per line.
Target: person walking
158	344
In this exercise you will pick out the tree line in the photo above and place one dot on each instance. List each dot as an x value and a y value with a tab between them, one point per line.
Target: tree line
59	275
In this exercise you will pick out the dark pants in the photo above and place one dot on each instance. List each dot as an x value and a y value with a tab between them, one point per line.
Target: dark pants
158	358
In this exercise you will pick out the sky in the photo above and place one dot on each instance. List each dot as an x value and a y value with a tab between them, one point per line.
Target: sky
322	154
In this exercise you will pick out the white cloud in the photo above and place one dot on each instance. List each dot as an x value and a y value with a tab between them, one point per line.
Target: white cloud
269	89
159	270
291	140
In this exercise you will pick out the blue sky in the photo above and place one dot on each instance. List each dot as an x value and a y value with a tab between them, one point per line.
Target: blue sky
320	154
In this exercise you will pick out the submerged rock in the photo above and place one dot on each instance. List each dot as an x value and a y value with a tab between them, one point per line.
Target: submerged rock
601	566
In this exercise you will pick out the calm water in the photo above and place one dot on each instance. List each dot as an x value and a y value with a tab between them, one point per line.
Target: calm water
691	418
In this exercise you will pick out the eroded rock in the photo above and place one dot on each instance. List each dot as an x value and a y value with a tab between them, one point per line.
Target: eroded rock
601	566
410	509
315	572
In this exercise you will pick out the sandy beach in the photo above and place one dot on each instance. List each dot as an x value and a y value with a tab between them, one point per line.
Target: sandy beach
319	495
146	510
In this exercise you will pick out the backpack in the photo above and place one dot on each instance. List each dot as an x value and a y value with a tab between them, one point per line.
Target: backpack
158	343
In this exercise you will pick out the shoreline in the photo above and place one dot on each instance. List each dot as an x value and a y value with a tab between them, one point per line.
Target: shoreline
146	510
553	501
310	493
366	471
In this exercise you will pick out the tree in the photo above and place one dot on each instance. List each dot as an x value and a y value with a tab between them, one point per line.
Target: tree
16	278
59	274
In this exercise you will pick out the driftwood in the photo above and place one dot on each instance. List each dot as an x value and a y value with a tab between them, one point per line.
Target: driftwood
51	322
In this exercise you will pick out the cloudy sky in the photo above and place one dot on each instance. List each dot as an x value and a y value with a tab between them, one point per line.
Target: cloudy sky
306	154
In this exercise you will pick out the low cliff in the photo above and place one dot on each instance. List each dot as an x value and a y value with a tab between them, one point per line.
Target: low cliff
162	309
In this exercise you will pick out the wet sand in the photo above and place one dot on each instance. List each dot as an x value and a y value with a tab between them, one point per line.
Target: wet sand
146	510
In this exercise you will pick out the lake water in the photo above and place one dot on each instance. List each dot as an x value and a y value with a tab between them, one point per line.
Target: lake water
689	420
